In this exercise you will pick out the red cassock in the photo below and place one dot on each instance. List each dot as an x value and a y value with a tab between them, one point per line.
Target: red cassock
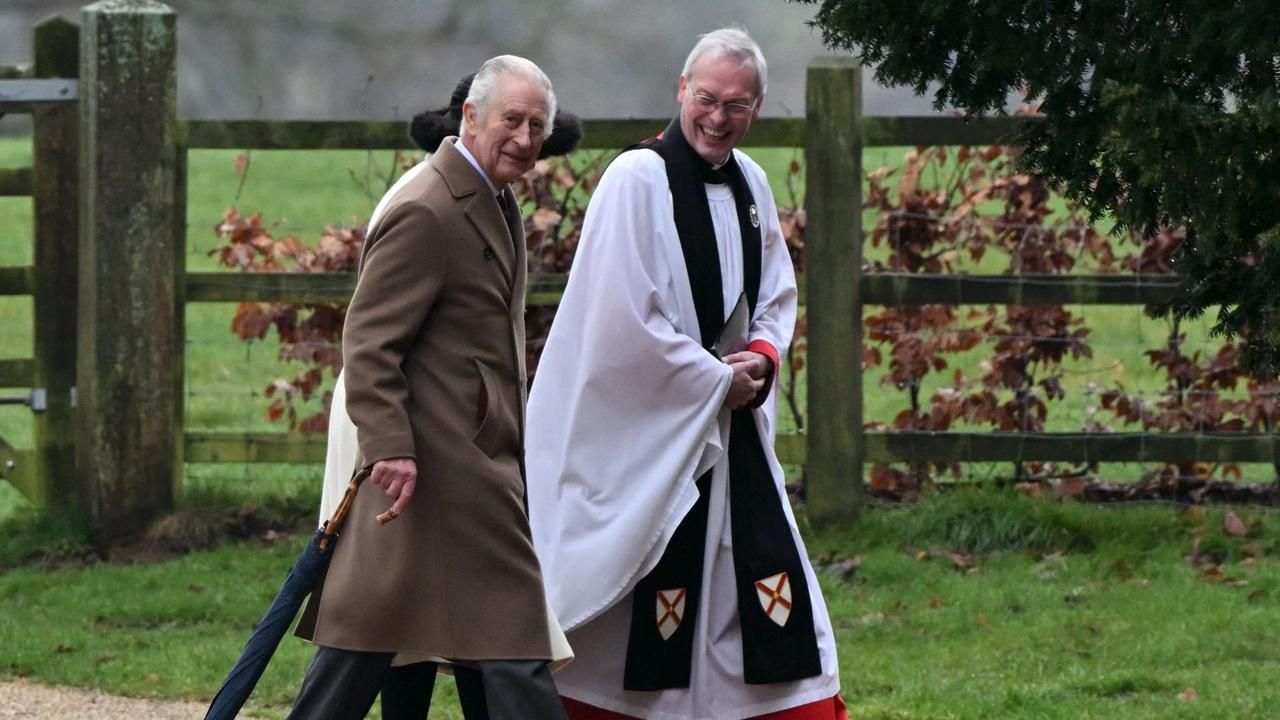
832	709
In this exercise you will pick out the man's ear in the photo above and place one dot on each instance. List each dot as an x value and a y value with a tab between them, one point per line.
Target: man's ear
470	123
759	104
681	86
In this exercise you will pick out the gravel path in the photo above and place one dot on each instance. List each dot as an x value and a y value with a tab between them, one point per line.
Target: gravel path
25	700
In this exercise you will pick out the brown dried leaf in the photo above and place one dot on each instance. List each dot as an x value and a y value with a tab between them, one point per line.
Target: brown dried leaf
1030	489
1234	525
1212	573
251	321
544	219
1070	488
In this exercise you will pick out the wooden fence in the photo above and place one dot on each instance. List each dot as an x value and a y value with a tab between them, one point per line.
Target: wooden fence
47	473
119	406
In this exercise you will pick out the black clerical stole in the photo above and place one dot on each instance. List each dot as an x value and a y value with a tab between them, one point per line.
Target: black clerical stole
779	643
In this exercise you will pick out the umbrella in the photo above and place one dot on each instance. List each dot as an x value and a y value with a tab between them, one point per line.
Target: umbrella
305	576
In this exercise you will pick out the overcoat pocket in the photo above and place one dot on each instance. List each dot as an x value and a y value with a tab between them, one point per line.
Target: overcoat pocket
490	408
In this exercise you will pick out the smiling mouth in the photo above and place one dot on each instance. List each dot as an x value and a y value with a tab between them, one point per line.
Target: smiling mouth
713	134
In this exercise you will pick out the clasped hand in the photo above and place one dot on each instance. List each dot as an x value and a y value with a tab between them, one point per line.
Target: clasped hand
749	372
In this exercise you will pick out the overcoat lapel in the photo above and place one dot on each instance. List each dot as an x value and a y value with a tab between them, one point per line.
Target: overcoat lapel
480	209
484	215
515	224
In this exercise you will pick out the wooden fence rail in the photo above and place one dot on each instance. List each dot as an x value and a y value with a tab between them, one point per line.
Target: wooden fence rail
278	447
598	134
1071	447
15	182
17	280
875	288
17	373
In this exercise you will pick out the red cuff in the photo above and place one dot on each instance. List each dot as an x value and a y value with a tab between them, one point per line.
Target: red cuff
766	348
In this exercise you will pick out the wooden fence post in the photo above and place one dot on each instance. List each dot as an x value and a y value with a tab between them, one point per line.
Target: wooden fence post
55	198
833	264
128	305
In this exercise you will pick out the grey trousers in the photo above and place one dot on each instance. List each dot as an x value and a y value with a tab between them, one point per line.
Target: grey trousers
342	685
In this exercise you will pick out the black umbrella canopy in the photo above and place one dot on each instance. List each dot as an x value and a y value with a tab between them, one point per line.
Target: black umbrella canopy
304	577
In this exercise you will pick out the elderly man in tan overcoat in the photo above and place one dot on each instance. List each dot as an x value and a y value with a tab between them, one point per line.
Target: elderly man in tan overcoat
435	383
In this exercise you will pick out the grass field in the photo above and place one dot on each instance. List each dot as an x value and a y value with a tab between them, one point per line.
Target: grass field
1062	611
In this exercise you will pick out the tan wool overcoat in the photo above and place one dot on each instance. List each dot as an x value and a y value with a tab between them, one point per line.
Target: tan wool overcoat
434	366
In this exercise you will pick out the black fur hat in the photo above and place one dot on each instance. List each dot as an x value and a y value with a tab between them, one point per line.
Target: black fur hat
429	128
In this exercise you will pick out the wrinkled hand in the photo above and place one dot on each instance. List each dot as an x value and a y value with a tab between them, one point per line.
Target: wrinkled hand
760	364
399	477
749	372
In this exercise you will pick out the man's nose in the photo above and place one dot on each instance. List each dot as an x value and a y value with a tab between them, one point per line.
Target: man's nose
524	136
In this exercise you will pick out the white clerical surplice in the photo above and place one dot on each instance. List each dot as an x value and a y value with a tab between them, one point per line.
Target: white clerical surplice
625	413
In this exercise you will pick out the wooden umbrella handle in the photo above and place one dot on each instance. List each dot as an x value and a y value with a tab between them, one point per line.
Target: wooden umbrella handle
335	523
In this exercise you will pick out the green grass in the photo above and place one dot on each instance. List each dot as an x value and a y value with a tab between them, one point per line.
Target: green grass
1069	612
1041	628
168	630
1053	638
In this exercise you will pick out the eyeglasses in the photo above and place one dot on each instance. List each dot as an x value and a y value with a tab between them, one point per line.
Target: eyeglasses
736	110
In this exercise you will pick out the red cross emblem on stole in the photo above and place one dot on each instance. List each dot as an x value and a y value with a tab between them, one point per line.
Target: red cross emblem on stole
670	611
774	593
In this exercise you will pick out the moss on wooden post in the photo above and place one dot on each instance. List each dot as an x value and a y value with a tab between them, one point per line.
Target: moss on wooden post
129	341
833	261
55	191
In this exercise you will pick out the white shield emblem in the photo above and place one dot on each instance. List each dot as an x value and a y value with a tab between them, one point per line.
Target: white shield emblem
775	597
670	611
755	216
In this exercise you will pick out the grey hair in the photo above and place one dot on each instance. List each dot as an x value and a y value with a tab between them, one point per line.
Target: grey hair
485	84
732	43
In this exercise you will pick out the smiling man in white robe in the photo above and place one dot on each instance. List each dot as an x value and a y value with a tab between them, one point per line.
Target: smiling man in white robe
657	505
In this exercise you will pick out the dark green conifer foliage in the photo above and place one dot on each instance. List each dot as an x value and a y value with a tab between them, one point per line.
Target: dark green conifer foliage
1157	112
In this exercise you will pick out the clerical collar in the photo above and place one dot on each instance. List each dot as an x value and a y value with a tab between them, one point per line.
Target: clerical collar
493	189
706	172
